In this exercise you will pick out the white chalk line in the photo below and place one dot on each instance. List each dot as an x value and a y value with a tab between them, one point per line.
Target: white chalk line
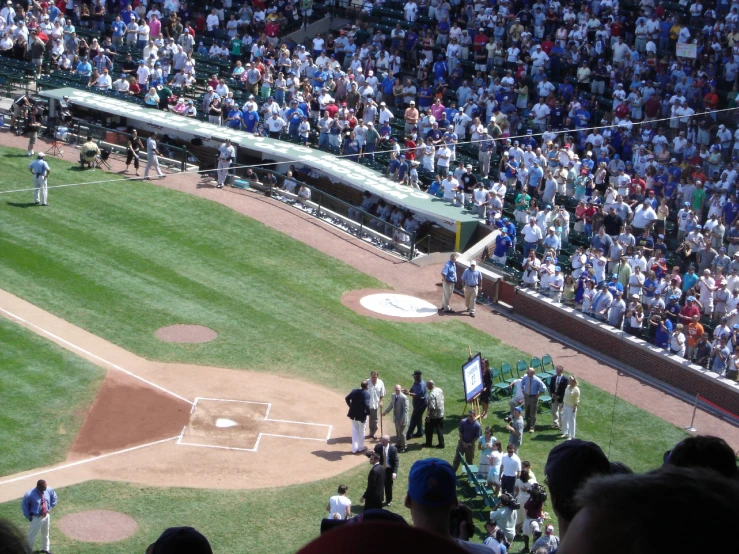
90	354
260	435
87	461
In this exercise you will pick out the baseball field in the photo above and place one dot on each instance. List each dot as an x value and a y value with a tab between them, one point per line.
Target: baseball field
86	381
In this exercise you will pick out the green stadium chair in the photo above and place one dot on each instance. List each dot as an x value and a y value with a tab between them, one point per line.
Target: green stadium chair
539	368
506	373
545	401
501	386
547	363
522	367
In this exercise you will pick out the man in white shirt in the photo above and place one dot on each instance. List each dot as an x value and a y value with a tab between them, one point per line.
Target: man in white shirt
104	82
226	154
339	505
541	113
644	216
510	468
531	235
121	84
274	125
377	393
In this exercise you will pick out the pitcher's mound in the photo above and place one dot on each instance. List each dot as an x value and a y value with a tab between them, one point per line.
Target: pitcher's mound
98	526
186	334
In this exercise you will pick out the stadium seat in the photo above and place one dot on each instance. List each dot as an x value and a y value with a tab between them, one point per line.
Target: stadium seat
506	373
547	363
500	386
521	367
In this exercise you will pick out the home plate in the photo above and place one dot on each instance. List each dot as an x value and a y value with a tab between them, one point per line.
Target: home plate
398	305
223	422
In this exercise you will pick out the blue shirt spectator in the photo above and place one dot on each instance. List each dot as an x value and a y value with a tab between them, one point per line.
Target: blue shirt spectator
533	385
449	271
31	504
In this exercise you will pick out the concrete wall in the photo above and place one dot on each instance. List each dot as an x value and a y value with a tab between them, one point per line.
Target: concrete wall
630	351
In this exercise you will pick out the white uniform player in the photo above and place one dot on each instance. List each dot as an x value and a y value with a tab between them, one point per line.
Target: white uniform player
226	154
152	154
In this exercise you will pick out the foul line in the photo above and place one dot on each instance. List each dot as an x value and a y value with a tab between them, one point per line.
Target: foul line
87	461
90	354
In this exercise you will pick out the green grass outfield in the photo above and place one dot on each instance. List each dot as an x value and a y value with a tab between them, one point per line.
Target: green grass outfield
123	259
45	392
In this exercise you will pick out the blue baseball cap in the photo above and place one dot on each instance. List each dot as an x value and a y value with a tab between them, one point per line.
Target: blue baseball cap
518	409
432	482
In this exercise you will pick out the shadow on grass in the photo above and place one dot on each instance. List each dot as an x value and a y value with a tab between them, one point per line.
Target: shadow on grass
77	167
22	204
8	155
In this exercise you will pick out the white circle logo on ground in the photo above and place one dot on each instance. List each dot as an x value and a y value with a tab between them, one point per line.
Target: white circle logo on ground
398	305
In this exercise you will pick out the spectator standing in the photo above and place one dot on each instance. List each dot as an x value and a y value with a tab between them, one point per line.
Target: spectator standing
399	407
36	506
359	408
418	393
435	416
533	388
373	494
510	469
557	386
390	463
449	279
377	393
515	429
470	431
571	401
471	278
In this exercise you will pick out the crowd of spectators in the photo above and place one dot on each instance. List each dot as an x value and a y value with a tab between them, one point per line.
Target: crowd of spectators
604	125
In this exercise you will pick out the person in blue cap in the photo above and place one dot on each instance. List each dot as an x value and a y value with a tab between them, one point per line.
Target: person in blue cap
431	497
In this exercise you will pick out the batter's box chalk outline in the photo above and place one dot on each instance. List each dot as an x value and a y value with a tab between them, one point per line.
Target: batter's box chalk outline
260	435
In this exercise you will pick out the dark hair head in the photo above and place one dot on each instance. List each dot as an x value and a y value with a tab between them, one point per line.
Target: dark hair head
704	451
343	489
641	504
620	468
12	540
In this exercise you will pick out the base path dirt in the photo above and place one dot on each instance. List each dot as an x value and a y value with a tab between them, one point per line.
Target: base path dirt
156	423
98	526
189	334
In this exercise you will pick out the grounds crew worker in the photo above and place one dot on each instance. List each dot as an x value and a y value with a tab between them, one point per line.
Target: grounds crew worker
40	170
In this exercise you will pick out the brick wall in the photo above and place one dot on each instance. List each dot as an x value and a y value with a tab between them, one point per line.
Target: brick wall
630	351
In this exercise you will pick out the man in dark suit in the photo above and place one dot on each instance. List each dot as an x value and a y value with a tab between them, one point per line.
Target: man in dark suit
359	408
390	463
372	497
557	387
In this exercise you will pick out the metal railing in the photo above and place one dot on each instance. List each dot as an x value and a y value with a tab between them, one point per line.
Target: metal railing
365	223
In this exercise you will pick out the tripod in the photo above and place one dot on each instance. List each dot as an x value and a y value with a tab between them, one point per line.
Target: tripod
54	149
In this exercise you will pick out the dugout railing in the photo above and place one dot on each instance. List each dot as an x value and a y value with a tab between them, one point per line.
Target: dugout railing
348	217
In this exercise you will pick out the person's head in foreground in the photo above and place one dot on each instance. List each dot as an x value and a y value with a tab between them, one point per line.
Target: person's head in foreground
625	513
180	540
12	540
704	451
568	466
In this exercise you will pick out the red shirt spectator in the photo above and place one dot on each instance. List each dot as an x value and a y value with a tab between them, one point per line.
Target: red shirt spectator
272	29
687	313
410	152
480	41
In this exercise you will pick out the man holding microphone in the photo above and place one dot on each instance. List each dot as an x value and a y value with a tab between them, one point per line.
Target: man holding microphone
40	170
